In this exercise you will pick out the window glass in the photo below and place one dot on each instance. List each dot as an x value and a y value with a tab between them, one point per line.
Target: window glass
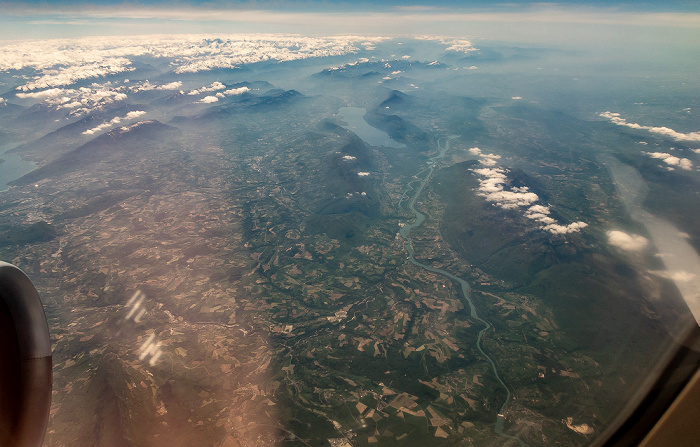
348	226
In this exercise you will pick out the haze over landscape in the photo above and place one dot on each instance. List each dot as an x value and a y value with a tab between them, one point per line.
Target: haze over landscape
331	224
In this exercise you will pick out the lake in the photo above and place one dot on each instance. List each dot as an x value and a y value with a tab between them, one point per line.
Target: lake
354	116
13	167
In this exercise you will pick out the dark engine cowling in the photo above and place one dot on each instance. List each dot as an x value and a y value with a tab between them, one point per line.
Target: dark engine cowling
25	361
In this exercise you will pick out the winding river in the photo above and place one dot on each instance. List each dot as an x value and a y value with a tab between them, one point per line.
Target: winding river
405	232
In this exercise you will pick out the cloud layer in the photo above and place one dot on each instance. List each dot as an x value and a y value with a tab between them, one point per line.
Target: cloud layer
62	62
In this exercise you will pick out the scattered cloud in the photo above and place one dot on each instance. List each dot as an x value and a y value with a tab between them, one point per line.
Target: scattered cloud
236	91
629	242
208	99
486	159
103	126
565	229
363	174
672	160
81	100
455	45
134	114
665	131
116	120
492	186
50	93
212	88
667	158
133	126
348	157
146	85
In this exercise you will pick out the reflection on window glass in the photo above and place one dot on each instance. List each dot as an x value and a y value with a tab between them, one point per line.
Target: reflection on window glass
331	225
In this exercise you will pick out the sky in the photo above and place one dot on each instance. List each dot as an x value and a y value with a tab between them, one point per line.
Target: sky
663	28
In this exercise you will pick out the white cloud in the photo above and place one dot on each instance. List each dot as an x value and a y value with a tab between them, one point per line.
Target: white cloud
461	46
133	126
50	93
629	242
675	161
486	159
73	73
62	62
539	209
667	158
212	88
516	97
134	114
102	126
146	85
236	91
665	131
208	99
170	86
511	199
540	214
679	276
363	174
81	100
493	188
116	120
565	229
672	160
489	159
235	51
348	157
